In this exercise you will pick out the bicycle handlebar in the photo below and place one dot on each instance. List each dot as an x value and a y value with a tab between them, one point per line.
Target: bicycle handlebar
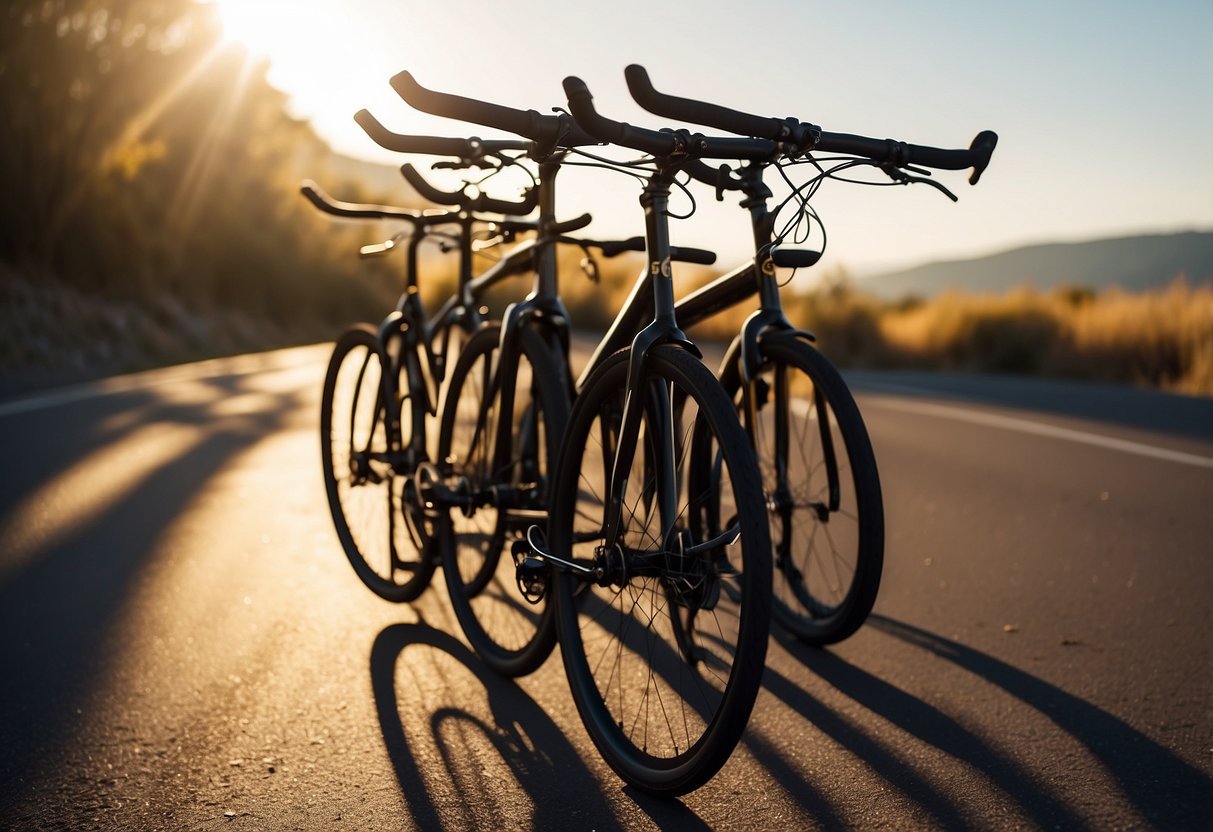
326	203
470	148
808	136
551	131
899	154
654	142
481	202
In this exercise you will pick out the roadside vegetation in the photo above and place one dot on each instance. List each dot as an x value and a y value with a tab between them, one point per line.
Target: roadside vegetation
151	208
1161	338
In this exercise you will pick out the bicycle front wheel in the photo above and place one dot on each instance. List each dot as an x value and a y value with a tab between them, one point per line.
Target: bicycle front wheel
511	635
822	490
363	479
664	650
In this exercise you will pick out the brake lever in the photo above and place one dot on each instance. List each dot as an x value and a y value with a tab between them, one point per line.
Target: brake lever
900	176
589	266
375	249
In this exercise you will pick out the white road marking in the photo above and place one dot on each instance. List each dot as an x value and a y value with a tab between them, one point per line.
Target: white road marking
978	417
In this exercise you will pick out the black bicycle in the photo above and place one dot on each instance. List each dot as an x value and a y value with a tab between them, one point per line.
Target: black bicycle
383	383
820	479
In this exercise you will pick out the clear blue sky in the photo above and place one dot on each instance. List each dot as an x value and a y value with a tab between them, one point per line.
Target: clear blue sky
1104	109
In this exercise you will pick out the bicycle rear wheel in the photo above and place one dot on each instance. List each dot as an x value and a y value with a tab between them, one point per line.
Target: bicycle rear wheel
511	635
665	651
363	477
822	491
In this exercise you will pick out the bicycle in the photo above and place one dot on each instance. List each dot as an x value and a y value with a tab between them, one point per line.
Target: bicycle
382	384
637	544
820	475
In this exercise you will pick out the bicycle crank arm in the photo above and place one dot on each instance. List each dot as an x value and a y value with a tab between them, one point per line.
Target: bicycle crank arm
728	538
528	550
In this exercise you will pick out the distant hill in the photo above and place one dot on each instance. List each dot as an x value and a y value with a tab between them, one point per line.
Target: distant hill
1132	263
359	180
376	177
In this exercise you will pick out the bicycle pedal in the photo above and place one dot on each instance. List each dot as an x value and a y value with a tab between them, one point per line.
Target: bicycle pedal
531	573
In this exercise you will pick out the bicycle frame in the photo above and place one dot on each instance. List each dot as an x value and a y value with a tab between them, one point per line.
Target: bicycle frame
653	288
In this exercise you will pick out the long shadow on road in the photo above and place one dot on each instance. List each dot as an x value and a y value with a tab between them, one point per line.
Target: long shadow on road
926	724
57	610
1167	791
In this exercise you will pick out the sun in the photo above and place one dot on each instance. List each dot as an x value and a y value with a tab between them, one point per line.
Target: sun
263	27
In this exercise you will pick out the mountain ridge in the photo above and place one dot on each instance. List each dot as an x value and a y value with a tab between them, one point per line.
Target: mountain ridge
1134	263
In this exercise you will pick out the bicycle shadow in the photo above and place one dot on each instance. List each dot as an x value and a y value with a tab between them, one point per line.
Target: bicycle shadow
539	758
1159	785
665	662
1167	791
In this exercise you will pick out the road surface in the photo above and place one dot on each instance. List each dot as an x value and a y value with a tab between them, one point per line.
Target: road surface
183	646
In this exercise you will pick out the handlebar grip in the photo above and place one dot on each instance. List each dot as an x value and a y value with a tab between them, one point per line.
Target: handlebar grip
571	225
432	145
326	203
544	130
428	191
701	112
613	248
976	157
900	153
982	149
491	205
461	108
581	103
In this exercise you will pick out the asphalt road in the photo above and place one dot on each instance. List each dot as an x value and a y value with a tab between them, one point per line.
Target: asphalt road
183	646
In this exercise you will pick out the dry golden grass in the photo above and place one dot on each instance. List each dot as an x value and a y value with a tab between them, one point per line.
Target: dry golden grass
1162	338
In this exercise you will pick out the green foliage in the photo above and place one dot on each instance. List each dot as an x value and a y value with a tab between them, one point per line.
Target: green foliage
143	158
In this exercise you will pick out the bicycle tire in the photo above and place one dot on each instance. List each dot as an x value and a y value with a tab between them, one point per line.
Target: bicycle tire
647	626
510	635
827	556
365	489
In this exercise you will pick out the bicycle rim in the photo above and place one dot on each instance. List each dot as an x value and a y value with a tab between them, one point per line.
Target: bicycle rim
822	492
366	492
510	634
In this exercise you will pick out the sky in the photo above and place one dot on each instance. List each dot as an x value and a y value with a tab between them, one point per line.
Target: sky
1104	110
